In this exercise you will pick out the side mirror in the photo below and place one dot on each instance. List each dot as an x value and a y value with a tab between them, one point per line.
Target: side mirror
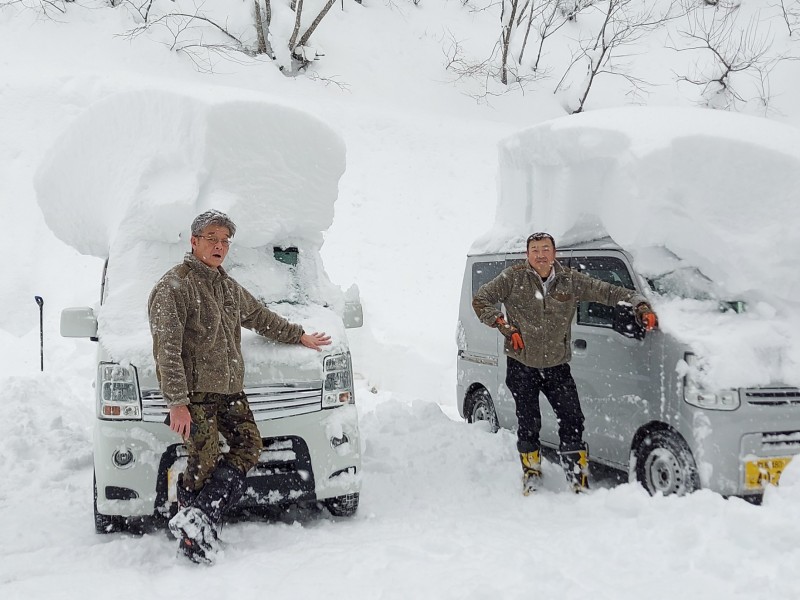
79	323
353	313
625	322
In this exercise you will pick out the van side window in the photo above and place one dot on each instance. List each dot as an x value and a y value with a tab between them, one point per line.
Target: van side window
484	272
610	270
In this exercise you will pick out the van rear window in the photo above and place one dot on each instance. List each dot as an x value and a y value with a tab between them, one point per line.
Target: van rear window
484	272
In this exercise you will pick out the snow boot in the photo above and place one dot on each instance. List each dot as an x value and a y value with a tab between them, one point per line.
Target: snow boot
196	523
197	535
576	467
531	471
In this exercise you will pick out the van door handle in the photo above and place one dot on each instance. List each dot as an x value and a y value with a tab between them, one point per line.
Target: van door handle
579	344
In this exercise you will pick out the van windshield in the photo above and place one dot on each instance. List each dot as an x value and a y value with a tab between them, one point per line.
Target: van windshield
691	283
685	282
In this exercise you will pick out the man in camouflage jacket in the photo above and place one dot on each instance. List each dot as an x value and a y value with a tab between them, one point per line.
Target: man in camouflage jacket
540	297
196	317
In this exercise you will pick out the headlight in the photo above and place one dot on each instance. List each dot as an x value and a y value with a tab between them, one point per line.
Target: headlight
337	388
118	392
694	394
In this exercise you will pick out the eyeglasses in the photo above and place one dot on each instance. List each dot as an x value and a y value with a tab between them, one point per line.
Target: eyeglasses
215	240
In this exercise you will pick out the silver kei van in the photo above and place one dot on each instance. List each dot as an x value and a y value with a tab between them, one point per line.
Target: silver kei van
303	401
646	413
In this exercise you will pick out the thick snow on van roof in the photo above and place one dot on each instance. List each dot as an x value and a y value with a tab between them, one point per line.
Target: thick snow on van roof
698	191
127	178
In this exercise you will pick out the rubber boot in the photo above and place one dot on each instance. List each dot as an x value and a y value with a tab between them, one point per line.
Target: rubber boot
531	471
576	467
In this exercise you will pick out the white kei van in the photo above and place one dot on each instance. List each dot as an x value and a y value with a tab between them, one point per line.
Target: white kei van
302	401
645	412
138	167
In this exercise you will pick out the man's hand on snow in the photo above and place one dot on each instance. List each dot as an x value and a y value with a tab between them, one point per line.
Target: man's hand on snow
315	340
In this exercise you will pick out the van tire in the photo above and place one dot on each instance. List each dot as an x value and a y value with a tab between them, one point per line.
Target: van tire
105	523
482	409
665	465
343	506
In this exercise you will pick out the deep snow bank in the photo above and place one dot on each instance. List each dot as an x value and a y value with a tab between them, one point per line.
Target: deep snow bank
680	189
127	178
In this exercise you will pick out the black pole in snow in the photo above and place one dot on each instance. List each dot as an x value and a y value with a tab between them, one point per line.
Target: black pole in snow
40	302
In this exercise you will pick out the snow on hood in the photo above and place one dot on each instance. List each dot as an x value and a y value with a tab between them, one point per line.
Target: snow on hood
686	189
127	178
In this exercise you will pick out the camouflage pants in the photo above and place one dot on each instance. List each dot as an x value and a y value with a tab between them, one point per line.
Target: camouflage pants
215	414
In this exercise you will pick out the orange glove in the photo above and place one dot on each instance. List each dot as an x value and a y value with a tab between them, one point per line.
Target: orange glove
510	332
646	317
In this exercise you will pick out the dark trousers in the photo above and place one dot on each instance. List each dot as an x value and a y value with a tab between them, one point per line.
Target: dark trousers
558	386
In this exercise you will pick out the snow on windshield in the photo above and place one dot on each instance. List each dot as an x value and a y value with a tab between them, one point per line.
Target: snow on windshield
127	178
706	202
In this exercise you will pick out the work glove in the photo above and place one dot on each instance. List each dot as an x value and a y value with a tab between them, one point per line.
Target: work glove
645	316
509	332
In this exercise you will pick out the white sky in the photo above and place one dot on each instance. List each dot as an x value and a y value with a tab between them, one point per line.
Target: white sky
441	515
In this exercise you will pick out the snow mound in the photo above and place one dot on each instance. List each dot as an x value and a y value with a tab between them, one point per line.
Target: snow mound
714	188
140	165
127	178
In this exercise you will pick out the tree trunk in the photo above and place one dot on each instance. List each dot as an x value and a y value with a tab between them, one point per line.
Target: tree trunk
313	26
262	28
505	39
298	14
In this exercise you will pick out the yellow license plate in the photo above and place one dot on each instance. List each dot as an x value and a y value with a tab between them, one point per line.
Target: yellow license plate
766	471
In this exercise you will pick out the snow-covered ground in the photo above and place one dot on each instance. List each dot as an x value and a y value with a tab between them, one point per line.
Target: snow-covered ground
441	514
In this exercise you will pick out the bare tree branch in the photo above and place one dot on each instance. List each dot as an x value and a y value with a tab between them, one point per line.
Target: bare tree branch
790	12
324	11
624	23
733	50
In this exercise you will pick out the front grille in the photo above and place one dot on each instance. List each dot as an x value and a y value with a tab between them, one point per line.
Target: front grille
267	402
772	396
783	441
283	474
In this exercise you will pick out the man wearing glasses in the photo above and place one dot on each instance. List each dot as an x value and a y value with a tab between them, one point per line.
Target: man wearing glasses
196	314
541	297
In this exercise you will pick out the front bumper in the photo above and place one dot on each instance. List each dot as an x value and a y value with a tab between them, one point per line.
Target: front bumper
736	462
306	458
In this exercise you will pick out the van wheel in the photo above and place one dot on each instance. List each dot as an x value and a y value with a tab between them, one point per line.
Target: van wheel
665	465
343	506
483	410
106	523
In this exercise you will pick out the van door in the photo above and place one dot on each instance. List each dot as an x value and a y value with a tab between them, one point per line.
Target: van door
612	371
484	345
